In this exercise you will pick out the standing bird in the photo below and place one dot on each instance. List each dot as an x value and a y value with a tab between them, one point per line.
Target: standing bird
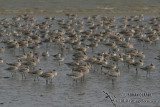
137	64
23	71
2	49
36	73
45	54
17	63
110	66
75	75
59	57
113	74
1	60
49	75
12	69
148	68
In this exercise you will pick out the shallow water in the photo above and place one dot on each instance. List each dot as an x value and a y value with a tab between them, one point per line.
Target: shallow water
80	6
15	92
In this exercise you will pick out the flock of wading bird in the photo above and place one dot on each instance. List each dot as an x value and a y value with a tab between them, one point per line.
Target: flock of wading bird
82	37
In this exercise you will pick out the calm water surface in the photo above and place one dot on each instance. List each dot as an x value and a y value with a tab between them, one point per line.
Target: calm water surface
80	6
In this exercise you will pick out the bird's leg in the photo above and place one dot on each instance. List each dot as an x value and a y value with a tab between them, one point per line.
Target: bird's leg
11	74
136	71
35	78
92	49
22	76
83	77
101	69
112	81
117	64
51	81
46	81
23	50
46	46
76	82
147	74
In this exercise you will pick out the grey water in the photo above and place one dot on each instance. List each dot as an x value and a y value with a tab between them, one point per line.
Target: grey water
15	92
